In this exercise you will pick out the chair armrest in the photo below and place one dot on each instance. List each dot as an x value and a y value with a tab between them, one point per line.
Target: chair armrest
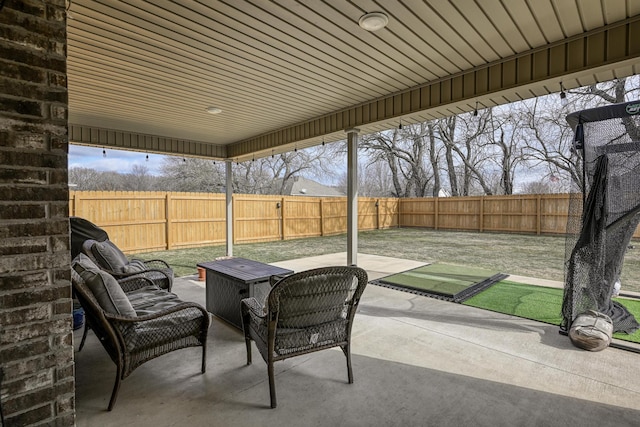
157	330
155	264
134	282
252	306
159	314
160	278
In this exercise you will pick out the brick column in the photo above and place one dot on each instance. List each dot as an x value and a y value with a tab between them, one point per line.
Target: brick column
36	348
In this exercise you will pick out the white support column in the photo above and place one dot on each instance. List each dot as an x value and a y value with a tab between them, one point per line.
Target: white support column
352	196
229	212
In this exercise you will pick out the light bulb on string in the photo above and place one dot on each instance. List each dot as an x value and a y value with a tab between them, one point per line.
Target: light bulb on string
104	153
563	95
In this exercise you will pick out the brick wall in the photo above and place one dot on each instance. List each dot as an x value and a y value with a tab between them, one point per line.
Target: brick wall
36	349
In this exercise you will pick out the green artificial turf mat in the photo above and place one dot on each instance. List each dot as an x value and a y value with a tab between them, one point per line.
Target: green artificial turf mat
529	301
539	303
447	281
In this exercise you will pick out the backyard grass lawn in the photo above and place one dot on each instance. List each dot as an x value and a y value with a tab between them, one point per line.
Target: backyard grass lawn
526	255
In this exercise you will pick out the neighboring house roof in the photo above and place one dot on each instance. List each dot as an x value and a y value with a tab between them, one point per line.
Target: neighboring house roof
300	186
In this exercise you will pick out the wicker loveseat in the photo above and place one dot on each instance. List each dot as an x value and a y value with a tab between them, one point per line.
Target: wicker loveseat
134	319
305	312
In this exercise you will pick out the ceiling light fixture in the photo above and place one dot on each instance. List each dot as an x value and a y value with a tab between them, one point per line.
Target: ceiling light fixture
373	21
213	110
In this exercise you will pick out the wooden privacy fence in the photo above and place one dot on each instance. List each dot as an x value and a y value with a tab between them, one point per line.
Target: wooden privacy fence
151	221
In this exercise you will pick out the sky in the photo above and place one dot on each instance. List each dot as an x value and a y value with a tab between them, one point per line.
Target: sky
115	161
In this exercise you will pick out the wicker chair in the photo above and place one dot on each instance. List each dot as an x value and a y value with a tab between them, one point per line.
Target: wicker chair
109	258
93	241
136	323
305	312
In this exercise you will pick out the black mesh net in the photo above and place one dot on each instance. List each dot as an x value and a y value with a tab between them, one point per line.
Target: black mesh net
603	215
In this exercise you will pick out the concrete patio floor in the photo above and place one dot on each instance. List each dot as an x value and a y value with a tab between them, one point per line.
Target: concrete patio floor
417	361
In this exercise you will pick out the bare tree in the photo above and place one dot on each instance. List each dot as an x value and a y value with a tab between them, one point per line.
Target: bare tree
505	142
138	179
192	175
549	139
374	180
464	150
404	151
84	179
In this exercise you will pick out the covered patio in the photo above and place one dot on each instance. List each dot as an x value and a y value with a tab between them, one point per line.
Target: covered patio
284	75
417	361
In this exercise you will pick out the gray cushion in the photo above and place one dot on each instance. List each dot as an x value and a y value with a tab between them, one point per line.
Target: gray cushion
109	256
134	266
105	287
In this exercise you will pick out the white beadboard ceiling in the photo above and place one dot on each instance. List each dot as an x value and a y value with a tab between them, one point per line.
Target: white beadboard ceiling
153	67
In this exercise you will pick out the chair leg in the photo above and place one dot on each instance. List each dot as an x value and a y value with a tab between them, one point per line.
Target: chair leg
204	357
346	349
116	388
84	335
247	342
272	384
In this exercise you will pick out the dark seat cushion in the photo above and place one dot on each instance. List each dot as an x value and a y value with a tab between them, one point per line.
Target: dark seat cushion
152	299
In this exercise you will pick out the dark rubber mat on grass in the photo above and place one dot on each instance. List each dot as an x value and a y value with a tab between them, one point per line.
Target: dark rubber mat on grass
447	282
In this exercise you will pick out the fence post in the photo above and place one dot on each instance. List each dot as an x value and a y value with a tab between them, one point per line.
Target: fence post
72	203
481	214
234	228
282	219
435	210
322	217
167	218
538	214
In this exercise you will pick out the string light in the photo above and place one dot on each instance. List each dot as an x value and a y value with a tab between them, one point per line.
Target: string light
563	95
147	159
400	125
104	153
475	111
